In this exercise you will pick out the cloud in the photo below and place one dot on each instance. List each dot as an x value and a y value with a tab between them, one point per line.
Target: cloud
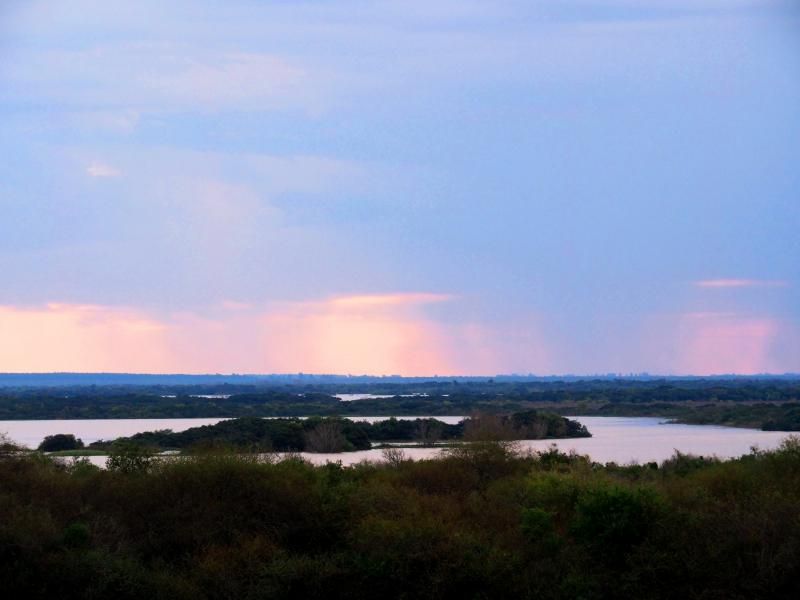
264	57
400	333
272	175
378	333
236	305
226	80
367	333
717	344
120	121
248	222
70	337
160	78
740	283
306	174
721	342
97	169
395	333
373	301
373	333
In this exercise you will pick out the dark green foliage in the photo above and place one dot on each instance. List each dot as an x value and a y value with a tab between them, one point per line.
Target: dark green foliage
612	521
129	457
483	522
537	524
60	441
115	403
253	434
785	419
772	404
393	430
535	425
76	535
683	464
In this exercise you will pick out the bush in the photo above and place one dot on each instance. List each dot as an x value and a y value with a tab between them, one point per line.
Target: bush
127	457
611	521
76	535
7	445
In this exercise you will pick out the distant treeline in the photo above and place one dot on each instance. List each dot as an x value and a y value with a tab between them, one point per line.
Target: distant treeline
332	434
546	389
767	416
50	380
769	404
479	523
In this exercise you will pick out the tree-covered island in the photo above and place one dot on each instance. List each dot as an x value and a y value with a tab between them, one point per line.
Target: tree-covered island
334	434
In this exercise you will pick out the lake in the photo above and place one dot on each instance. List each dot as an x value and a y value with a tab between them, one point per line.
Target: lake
618	439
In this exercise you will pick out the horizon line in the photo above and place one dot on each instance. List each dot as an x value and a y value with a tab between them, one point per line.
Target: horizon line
398	376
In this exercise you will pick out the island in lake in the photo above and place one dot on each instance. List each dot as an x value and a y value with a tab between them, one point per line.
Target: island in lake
335	434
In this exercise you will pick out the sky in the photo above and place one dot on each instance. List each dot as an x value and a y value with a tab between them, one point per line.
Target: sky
412	187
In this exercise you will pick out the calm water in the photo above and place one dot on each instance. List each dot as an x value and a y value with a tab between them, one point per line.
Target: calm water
351	397
622	440
618	439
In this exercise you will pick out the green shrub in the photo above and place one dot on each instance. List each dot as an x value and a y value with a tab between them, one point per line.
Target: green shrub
612	520
128	457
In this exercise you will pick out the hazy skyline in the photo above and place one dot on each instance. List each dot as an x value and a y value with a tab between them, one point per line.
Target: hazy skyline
572	186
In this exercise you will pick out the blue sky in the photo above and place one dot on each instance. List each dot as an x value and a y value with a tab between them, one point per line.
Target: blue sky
581	186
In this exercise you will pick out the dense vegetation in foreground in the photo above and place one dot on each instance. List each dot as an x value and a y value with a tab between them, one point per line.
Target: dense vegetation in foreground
762	404
483	522
331	434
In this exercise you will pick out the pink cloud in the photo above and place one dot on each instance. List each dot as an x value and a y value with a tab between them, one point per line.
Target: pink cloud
72	337
392	334
717	343
375	333
368	301
359	334
740	283
97	169
368	333
481	349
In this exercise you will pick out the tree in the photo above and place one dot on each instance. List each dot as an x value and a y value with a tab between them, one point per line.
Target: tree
7	446
129	457
429	431
60	441
394	456
326	437
488	428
